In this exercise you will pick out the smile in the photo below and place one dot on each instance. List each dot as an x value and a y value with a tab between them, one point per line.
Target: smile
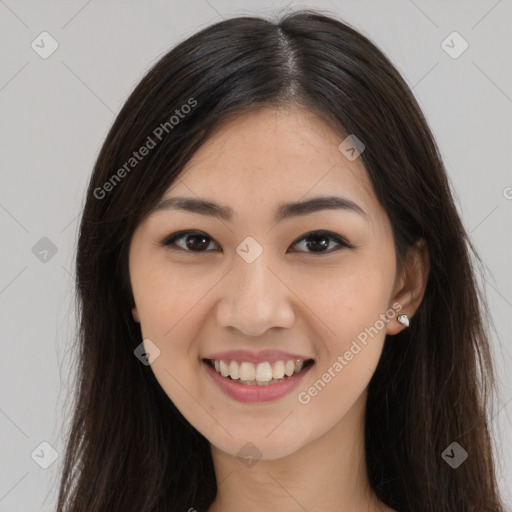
252	382
261	374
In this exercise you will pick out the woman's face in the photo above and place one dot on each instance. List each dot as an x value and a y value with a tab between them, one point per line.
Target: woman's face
256	283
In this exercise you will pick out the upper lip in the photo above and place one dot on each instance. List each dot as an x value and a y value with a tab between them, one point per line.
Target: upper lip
270	355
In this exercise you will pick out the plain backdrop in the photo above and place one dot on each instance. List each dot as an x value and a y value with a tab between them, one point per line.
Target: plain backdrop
56	111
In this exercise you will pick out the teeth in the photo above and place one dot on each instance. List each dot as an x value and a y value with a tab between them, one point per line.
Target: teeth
261	373
289	368
278	370
224	369
264	372
247	371
233	370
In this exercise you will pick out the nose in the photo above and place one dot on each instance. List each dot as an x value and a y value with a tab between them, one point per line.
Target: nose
254	299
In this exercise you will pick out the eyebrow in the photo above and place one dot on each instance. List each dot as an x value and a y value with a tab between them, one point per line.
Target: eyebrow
284	211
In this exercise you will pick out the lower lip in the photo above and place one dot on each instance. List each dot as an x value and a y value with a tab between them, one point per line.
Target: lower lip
252	394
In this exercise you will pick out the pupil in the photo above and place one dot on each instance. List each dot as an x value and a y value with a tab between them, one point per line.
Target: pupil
202	245
321	240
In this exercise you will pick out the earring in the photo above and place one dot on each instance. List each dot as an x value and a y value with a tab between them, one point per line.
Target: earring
403	319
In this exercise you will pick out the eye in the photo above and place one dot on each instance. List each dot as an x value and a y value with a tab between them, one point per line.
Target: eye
316	242
194	241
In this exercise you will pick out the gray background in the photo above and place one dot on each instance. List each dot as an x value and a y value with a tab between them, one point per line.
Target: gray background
55	113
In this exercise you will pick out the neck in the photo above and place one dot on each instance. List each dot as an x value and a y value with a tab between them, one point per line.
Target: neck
328	474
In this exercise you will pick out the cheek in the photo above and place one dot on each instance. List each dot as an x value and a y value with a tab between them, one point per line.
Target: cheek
351	300
350	356
352	308
166	300
169	304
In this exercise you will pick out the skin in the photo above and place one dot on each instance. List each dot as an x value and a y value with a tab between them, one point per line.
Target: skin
189	304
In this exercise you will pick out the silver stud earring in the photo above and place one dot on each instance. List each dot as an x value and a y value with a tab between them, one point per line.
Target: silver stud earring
403	319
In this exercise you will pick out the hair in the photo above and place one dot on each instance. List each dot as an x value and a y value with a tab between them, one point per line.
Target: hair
128	447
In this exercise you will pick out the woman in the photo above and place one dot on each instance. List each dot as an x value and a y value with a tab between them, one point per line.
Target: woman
277	305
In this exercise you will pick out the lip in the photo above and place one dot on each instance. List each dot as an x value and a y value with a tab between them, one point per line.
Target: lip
255	394
270	355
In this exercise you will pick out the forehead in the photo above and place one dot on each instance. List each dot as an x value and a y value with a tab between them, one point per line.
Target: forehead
273	155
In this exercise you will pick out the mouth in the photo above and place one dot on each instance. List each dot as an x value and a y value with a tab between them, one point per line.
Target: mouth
265	373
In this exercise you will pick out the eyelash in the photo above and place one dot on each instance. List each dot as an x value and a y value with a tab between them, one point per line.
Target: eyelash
170	241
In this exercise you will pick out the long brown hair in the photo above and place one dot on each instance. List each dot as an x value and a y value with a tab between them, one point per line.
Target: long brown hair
129	448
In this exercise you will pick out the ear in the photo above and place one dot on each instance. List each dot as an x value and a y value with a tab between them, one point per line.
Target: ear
135	314
410	285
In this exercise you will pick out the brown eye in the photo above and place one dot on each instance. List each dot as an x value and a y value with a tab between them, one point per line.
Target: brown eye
319	241
188	241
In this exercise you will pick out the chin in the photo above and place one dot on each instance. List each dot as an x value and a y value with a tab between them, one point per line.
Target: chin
259	446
